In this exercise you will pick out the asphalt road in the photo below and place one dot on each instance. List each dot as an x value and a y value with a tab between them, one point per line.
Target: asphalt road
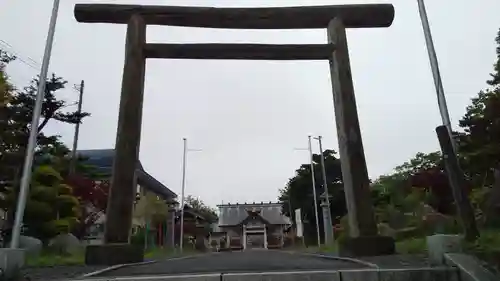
234	262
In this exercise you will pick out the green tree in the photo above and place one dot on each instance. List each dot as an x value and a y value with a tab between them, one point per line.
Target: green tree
393	188
420	162
298	192
15	127
495	76
389	189
424	173
201	208
51	207
150	209
479	154
479	144
6	93
5	86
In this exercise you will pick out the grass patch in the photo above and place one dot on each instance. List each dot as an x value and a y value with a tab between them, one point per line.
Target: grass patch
489	241
332	248
47	259
412	246
487	248
165	253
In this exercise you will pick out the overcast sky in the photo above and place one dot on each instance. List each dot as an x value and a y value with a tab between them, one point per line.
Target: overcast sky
248	117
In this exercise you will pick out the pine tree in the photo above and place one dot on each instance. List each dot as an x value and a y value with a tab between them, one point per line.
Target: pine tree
480	143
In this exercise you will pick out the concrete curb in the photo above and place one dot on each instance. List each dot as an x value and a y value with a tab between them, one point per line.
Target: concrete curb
434	273
352	260
114	267
118	266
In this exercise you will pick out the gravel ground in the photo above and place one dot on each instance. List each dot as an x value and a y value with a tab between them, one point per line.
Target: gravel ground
57	272
232	262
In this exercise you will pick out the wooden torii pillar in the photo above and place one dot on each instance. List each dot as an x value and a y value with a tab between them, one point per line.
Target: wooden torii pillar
364	239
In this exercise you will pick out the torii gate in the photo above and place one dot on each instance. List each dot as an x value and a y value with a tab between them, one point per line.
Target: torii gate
364	238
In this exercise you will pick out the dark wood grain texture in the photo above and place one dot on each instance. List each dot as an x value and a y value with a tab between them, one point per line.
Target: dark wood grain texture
352	157
239	51
353	16
123	180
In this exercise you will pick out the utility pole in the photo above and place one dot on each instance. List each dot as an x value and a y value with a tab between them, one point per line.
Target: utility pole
448	145
314	191
328	219
72	167
184	163
37	111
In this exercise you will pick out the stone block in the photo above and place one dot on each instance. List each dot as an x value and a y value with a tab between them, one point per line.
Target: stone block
203	277
31	245
113	254
65	243
469	268
11	262
359	275
440	244
419	274
401	274
365	246
193	277
284	276
386	230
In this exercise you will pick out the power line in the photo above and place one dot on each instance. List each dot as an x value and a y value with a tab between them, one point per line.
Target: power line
26	60
32	63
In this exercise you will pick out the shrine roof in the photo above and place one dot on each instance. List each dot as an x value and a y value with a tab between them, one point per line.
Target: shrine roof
102	159
234	214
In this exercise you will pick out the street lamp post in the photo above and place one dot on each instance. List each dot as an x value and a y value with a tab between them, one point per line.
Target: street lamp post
184	163
314	192
313	188
438	84
30	150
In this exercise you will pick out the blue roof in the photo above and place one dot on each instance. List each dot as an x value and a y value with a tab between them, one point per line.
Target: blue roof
102	159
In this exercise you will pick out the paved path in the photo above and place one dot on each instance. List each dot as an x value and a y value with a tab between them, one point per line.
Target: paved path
232	262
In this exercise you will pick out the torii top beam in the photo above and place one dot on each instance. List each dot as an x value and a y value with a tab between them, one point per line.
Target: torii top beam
353	16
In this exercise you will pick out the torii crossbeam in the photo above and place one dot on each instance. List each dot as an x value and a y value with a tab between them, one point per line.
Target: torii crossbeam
364	238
